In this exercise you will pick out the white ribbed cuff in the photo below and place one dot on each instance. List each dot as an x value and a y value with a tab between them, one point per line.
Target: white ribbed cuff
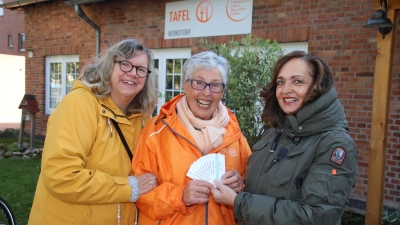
133	182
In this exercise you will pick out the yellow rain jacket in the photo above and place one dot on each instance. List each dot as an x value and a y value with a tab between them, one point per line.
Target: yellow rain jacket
166	149
85	167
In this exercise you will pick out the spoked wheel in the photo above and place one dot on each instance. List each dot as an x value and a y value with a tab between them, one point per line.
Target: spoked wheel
6	215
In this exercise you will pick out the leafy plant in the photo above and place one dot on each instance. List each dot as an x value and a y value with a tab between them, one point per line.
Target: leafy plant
352	218
251	61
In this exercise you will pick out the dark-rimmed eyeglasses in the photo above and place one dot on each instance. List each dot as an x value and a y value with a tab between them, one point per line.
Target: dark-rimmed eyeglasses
201	85
128	67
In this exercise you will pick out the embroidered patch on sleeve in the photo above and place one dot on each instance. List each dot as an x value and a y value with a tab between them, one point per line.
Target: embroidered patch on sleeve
338	156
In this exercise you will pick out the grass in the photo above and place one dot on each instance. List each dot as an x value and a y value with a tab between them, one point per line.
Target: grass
18	180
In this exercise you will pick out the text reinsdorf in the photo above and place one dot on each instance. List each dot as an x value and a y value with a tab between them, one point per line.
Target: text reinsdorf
176	16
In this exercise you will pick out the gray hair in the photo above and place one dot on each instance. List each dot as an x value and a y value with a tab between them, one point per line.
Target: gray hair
97	75
206	60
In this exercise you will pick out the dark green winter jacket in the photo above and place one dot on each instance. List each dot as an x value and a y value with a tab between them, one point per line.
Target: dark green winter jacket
308	177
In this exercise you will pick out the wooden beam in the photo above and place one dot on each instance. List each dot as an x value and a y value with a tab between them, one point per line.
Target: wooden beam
379	125
393	4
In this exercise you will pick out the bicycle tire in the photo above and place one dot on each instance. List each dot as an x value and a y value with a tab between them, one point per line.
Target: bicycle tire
7	211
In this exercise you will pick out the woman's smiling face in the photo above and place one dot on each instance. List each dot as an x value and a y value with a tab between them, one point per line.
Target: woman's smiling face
126	85
293	82
203	103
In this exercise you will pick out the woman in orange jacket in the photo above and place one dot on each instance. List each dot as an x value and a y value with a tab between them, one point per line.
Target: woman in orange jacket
190	126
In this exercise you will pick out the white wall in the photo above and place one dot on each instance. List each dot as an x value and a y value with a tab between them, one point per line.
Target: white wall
12	87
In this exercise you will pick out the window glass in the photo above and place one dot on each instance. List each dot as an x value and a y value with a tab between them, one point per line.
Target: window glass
21	41
72	74
1	9
61	74
177	83
10	41
55	84
173	77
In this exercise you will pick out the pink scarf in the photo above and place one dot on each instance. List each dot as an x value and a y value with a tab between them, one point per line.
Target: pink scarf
211	131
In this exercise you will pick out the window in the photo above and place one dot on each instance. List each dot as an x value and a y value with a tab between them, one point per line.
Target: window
21	42
1	9
168	71
10	41
61	73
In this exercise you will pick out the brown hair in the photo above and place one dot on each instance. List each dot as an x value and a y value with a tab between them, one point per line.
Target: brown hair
322	83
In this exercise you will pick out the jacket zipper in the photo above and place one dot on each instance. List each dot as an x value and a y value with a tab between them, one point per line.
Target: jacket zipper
276	139
166	124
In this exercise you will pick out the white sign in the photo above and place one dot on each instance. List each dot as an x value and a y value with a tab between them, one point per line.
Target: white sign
202	18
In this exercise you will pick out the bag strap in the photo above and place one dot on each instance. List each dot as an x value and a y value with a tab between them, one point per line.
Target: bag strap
122	139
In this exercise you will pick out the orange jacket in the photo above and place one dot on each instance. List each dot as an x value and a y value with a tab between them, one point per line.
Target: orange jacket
166	149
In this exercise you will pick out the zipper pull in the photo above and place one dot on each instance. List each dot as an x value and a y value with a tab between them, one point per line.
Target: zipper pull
109	123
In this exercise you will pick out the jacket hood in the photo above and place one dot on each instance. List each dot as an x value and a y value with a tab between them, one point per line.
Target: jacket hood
321	115
170	106
78	84
111	109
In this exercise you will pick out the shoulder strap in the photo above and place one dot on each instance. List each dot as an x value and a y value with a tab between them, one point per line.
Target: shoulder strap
122	139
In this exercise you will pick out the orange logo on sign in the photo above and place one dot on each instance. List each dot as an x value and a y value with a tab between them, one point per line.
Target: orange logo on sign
238	10
204	11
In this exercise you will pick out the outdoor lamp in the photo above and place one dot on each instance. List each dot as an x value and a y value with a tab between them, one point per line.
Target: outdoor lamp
30	53
380	20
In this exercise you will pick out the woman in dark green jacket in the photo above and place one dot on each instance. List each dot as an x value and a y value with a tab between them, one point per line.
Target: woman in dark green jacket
302	170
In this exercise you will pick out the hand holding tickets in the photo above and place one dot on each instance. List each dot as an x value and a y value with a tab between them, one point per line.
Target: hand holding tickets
208	168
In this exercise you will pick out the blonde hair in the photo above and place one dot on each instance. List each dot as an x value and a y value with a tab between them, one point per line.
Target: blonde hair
97	75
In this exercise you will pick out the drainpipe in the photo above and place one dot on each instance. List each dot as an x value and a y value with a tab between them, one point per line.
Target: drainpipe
80	13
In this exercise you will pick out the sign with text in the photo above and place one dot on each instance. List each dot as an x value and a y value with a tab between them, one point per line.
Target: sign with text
202	18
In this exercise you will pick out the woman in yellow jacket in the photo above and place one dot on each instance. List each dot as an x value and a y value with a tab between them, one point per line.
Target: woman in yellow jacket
190	126
86	175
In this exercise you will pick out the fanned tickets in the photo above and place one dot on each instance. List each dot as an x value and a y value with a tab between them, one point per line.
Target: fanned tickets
208	168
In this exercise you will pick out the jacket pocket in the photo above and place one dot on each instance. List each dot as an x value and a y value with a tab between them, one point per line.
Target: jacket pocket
317	189
260	145
285	169
85	217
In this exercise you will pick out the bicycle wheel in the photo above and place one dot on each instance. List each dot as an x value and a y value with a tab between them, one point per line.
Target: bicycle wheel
6	215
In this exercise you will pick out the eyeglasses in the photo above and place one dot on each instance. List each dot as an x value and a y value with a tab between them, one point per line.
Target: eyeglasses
201	85
128	67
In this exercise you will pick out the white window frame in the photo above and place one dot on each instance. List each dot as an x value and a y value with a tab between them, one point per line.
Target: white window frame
21	42
63	59
162	55
293	46
1	9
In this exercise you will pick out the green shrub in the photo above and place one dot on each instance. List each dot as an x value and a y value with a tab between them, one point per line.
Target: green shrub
352	218
251	61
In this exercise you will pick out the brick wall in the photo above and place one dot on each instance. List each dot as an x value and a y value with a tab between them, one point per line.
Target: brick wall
334	30
11	23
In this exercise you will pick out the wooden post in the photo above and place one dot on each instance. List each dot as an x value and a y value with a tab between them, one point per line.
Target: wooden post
32	116
21	129
379	124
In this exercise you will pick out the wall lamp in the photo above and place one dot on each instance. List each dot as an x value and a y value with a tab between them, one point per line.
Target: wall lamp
30	53
380	20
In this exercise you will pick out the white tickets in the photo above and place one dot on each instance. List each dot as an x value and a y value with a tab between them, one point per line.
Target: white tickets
208	168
